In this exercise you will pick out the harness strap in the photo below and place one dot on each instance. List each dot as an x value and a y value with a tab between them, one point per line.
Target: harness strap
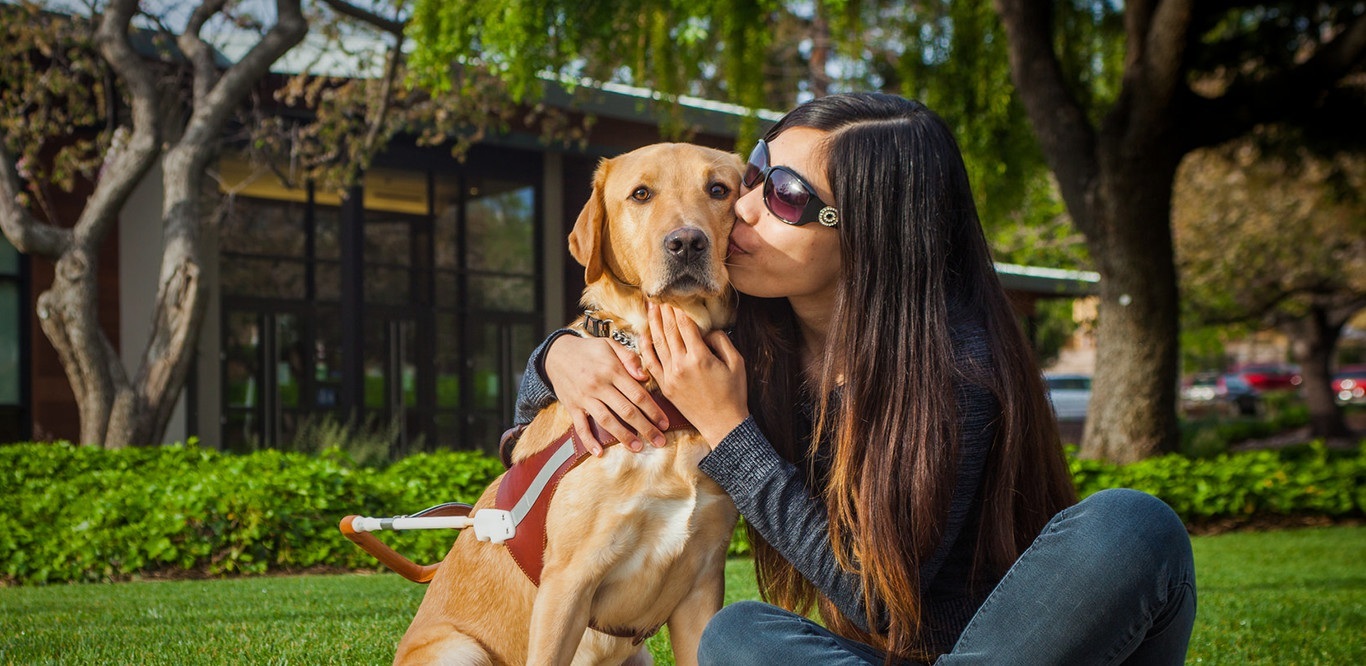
527	488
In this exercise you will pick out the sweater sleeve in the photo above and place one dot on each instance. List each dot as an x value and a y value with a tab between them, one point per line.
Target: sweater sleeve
535	393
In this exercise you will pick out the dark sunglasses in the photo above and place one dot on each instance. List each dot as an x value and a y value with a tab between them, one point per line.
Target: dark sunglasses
786	194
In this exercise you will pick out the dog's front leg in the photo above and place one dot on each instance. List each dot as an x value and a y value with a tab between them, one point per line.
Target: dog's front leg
691	616
559	617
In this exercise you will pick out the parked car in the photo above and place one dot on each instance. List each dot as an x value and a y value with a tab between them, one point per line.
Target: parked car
1223	393
1349	383
1270	376
1070	395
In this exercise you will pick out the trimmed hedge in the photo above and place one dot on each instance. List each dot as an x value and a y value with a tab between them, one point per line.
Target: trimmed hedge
1301	480
87	514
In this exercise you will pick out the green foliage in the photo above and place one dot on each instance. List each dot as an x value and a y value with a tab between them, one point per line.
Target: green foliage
1302	480
88	514
81	513
661	44
761	54
368	445
1053	327
1266	237
1207	437
54	97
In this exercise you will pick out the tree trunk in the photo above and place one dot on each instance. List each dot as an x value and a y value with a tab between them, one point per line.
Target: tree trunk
68	315
1313	340
140	415
820	53
1133	404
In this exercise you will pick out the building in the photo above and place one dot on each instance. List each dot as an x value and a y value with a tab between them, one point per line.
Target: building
414	299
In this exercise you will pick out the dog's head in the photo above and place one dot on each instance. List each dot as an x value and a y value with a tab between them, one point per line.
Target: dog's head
660	217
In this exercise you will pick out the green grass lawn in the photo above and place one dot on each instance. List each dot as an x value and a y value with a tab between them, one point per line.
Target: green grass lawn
1289	597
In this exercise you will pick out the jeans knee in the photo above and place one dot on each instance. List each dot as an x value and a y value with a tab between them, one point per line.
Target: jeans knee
732	626
1138	531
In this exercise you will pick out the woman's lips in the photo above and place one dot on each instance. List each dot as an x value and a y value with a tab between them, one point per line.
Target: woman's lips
734	248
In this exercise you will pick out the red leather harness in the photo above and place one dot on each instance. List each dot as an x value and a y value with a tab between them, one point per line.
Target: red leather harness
528	545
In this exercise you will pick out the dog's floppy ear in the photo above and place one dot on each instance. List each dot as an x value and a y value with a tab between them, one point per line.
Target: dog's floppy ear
585	241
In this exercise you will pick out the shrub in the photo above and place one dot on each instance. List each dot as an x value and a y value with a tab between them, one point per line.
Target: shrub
87	514
83	513
1307	479
1208	437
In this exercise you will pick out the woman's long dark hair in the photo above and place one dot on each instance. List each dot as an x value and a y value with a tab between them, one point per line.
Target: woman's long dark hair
886	422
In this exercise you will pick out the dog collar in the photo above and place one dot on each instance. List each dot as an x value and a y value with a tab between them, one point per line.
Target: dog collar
602	328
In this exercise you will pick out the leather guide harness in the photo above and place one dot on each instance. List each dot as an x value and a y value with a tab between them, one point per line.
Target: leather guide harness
523	490
529	485
518	517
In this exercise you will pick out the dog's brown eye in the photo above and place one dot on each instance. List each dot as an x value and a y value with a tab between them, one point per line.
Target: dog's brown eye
641	193
718	190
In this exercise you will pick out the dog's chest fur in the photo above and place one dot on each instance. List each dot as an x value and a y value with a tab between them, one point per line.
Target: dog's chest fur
659	530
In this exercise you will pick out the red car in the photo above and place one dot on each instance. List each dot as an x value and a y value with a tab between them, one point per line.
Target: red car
1349	384
1270	376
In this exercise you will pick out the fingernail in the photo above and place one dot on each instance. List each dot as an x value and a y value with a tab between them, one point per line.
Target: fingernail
635	445
659	440
663	423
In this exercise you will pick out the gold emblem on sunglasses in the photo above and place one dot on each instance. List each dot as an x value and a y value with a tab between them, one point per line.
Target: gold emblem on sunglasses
829	216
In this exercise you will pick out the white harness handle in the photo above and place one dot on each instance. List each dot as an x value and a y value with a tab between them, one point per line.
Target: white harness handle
493	525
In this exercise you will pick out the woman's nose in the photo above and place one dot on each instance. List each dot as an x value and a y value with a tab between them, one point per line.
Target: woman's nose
750	206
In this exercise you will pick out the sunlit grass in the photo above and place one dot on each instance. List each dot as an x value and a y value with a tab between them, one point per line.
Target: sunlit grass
1288	597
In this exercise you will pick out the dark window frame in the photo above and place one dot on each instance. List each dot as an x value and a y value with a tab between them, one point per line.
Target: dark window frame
421	308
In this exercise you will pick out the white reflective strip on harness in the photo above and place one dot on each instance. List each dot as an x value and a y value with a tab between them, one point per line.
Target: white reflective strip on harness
537	485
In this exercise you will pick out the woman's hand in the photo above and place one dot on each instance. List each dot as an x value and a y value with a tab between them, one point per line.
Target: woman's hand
703	376
599	377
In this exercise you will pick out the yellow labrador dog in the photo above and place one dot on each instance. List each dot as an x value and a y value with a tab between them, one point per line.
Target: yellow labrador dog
632	541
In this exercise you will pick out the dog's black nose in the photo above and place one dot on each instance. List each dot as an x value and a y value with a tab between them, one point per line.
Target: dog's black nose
686	243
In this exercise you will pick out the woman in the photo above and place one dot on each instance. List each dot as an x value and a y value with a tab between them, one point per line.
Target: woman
881	425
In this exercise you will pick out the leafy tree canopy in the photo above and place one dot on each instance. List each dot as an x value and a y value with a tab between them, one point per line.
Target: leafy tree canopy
771	54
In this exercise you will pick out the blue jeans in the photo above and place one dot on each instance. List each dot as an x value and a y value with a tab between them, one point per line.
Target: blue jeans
1108	581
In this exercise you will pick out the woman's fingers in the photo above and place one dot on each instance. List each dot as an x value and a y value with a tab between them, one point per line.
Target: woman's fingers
629	360
688	331
659	344
641	412
672	336
598	380
720	343
643	419
585	432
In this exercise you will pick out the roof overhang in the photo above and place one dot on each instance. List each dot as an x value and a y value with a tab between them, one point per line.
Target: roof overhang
1048	282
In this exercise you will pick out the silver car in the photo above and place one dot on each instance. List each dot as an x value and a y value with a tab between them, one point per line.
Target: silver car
1070	395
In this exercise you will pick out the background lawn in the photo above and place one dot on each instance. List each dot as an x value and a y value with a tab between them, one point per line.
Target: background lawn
1288	597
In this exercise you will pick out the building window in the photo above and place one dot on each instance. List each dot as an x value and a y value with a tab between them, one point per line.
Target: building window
14	414
449	305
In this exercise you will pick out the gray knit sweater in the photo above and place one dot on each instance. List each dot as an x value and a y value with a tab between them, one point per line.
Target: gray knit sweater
772	495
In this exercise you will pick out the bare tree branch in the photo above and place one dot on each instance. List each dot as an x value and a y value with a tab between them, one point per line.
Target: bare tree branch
1164	55
386	94
24	231
130	157
1065	133
1154	66
366	16
199	53
211	110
